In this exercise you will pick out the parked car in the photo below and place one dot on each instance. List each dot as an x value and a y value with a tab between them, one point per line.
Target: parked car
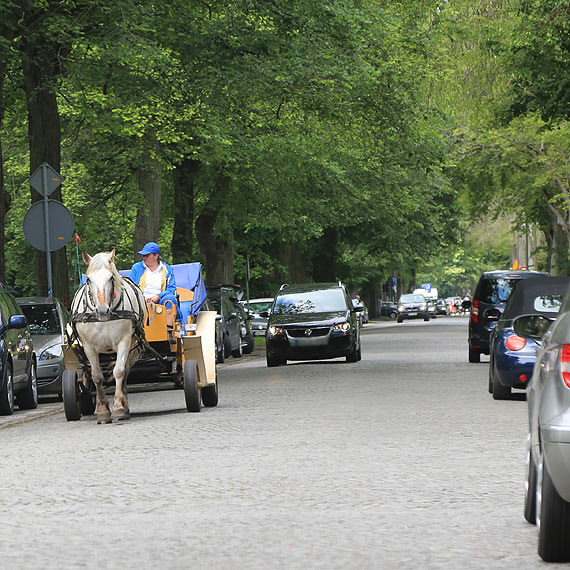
388	309
431	309
246	331
547	498
412	306
221	301
441	308
18	368
312	321
512	357
256	306
363	315
47	318
489	301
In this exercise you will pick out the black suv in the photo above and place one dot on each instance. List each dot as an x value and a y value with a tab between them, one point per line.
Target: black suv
412	306
18	372
489	302
312	321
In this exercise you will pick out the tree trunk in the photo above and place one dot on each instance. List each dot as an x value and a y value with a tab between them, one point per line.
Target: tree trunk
217	252
40	73
148	213
294	258
184	177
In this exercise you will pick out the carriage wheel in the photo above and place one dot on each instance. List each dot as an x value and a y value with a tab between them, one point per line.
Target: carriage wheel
191	390
70	396
210	395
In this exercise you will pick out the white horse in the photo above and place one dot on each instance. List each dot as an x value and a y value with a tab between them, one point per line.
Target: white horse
108	313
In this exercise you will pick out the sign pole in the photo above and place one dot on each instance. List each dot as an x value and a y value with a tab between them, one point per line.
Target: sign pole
46	225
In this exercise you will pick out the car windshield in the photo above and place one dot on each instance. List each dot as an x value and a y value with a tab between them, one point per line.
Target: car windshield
322	301
496	290
42	319
412	299
260	306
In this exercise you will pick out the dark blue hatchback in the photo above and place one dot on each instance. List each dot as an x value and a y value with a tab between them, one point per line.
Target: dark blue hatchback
18	372
512	357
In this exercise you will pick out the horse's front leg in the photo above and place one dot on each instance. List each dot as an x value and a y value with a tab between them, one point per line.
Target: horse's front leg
120	370
103	411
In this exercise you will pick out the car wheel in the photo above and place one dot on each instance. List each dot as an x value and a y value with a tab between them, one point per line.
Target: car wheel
28	397
400	320
227	346
530	486
490	388
500	392
248	349
237	353
553	520
359	351
7	392
474	355
274	361
393	315
220	350
352	356
426	319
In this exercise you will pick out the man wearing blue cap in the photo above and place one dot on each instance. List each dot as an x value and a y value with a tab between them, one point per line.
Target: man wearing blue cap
156	279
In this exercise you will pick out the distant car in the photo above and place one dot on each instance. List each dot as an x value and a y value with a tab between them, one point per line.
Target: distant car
547	499
512	357
388	309
431	308
47	318
412	306
489	301
246	331
312	321
364	313
220	300
18	368
441	307
256	306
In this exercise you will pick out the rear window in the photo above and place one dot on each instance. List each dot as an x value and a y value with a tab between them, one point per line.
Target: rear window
323	301
495	290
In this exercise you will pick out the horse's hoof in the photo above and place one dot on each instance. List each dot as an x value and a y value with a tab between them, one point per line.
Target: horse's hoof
104	418
121	414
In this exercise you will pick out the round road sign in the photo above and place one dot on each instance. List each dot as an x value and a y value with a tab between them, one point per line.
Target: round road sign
60	225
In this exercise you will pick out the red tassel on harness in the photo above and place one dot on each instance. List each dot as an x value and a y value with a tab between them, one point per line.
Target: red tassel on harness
114	294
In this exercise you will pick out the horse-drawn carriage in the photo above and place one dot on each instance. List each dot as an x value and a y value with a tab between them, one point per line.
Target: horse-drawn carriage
115	337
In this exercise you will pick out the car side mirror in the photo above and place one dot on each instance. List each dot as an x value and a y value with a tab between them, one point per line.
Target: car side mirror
232	315
264	314
218	317
532	326
17	322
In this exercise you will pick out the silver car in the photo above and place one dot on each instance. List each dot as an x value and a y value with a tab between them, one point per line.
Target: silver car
547	501
47	318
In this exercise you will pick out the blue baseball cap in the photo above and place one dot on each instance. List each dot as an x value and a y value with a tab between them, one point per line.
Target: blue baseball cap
150	247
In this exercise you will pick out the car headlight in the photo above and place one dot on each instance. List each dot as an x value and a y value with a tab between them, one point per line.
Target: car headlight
400	309
274	331
51	352
341	327
423	307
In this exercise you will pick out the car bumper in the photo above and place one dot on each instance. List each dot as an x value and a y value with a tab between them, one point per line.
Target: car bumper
413	315
330	346
49	377
556	449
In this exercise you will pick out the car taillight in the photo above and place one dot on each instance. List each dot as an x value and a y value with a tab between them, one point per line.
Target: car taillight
475	312
515	342
565	364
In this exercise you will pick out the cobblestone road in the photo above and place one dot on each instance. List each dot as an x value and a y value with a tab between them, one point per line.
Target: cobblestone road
402	460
